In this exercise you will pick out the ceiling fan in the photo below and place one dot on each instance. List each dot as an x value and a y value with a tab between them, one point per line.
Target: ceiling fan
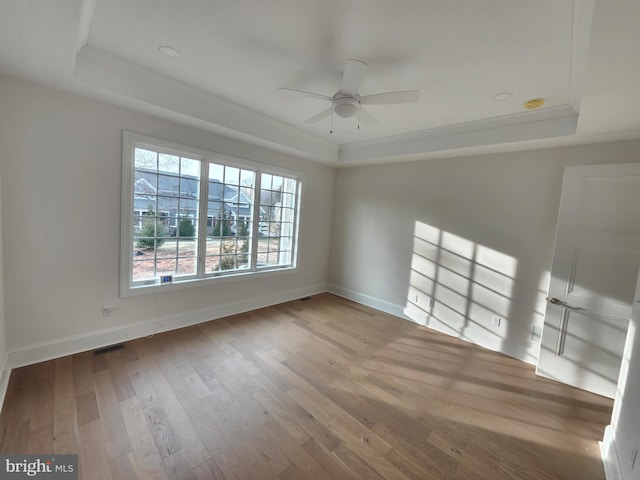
347	103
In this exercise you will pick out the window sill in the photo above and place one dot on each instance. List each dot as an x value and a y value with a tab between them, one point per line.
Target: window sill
150	289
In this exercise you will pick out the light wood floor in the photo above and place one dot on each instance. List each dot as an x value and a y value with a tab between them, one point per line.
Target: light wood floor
322	388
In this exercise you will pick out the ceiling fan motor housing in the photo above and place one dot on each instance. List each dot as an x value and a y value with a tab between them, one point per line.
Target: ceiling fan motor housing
346	106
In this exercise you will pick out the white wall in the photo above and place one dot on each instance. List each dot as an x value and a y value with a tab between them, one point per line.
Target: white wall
475	233
4	367
622	438
61	176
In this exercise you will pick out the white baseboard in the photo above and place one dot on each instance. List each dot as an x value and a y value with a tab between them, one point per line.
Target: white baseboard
88	341
5	372
610	459
368	300
520	352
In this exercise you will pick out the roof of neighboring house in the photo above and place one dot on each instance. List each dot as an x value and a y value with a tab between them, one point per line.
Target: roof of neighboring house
181	193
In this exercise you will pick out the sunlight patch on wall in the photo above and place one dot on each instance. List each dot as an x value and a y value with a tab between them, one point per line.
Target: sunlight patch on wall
460	287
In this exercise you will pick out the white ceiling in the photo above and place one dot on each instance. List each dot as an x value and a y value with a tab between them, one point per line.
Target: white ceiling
579	55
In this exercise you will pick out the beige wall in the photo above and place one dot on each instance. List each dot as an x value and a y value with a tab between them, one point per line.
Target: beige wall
61	184
4	367
474	233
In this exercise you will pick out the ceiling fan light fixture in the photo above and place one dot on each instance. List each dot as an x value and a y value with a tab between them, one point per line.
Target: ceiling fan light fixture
346	107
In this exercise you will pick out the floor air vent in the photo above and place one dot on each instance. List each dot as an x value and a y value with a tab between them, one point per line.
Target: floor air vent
112	348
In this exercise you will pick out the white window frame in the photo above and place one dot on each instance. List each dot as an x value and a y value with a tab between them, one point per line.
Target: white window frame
131	141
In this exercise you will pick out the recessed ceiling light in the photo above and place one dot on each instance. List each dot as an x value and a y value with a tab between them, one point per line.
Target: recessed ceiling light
499	97
169	51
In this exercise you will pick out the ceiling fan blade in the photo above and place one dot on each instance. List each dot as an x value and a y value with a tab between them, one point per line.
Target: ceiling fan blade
301	93
353	74
366	119
316	118
388	98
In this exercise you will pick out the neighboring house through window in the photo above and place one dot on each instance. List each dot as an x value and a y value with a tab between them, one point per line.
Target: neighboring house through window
249	211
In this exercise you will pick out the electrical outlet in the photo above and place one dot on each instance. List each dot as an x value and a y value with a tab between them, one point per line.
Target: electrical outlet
497	321
107	310
432	302
536	333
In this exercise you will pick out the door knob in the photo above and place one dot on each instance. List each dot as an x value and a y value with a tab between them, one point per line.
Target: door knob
557	301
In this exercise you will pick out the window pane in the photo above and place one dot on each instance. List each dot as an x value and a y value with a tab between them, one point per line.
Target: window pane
143	269
187	265
189	187
265	180
212	264
168	185
166	248
187	227
228	255
146	159
189	167
165	208
165	217
168	163
278	211
146	183
231	176
216	172
247	178
216	189
277	183
165	266
187	247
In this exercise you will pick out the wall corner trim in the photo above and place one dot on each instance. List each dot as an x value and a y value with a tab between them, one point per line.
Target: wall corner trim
610	459
5	372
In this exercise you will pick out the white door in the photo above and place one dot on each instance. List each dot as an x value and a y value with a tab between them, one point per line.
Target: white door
593	275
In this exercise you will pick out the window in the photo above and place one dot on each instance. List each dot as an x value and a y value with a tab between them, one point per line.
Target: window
196	216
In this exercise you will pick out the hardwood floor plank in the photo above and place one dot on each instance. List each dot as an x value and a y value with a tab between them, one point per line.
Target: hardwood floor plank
179	466
115	432
280	414
410	469
16	437
328	461
146	460
40	440
121	469
87	408
117	367
356	464
92	457
222	455
317	389
157	419
305	465
65	437
82	375
182	426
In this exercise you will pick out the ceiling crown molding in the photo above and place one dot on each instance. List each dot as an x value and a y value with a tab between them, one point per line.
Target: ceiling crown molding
118	78
534	125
